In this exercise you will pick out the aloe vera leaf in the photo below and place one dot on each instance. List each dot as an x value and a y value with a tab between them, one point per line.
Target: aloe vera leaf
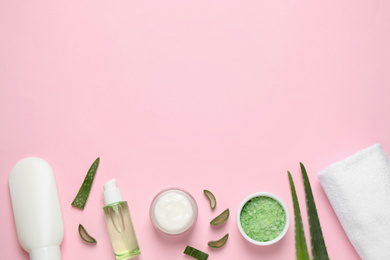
82	196
221	218
195	253
85	236
219	243
211	197
318	246
300	240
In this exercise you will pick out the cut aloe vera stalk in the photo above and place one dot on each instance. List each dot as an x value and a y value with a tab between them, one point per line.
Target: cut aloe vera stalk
211	197
301	251
195	253
319	251
82	195
219	243
318	246
221	218
85	236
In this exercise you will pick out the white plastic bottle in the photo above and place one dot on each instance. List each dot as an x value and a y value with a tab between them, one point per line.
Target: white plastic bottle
36	208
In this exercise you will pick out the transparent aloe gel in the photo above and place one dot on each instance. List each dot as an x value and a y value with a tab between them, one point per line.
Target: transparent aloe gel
119	224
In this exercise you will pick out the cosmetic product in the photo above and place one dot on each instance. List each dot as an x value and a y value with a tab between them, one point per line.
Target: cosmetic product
119	224
36	208
263	218
173	211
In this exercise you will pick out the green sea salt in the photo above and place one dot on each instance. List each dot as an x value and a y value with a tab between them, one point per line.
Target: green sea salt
262	218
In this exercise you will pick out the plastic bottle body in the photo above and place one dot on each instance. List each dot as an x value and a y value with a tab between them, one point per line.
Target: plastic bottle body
120	227
36	208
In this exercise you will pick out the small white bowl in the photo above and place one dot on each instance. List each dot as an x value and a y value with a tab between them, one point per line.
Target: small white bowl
284	231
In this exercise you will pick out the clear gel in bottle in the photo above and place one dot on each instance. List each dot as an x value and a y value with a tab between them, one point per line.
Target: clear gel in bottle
119	224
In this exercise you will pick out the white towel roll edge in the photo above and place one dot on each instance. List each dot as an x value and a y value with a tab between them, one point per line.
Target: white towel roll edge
358	189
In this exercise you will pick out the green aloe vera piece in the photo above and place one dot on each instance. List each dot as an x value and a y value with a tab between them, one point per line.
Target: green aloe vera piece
219	243
318	246
195	253
211	197
300	240
221	218
85	236
82	196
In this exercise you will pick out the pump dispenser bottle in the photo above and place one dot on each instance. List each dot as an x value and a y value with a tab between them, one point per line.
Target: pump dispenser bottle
119	224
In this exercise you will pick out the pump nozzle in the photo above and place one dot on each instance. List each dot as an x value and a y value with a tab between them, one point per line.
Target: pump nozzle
111	184
111	193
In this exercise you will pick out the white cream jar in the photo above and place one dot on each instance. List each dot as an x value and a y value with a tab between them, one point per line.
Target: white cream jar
173	211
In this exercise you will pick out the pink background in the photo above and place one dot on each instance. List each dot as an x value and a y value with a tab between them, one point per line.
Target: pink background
218	95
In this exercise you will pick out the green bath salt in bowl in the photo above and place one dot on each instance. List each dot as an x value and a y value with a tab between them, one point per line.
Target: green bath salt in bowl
263	218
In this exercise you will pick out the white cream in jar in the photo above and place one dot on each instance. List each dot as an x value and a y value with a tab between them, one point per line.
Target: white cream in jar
173	211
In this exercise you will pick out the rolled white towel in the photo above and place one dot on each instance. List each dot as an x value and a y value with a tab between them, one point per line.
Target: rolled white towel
358	188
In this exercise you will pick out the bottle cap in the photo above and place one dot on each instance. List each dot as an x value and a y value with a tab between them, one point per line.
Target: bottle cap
46	253
111	193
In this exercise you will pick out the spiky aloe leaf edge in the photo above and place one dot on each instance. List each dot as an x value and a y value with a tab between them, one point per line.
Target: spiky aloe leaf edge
318	246
300	240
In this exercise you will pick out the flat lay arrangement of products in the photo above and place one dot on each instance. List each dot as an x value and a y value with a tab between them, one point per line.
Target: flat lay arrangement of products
262	218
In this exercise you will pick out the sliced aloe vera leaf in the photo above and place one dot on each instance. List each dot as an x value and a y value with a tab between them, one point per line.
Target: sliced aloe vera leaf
85	236
318	247
82	196
221	218
219	243
300	239
195	253
211	197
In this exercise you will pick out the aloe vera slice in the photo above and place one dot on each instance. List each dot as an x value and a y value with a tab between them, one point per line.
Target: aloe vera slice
300	240
318	246
82	195
195	253
85	236
221	218
219	243
211	197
